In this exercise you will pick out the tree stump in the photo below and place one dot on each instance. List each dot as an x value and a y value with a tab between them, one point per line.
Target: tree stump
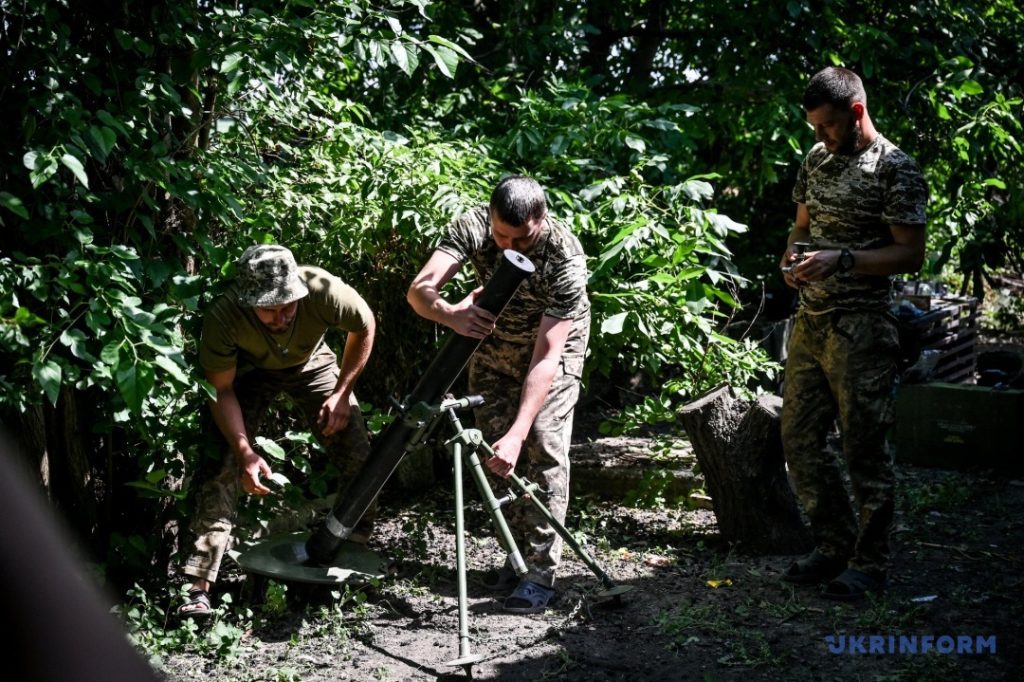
739	448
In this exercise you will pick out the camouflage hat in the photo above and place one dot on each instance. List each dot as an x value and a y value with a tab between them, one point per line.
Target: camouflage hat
268	276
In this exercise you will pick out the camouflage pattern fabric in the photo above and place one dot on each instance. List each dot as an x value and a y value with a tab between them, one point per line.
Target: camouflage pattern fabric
852	201
843	364
497	375
558	288
844	349
268	276
307	386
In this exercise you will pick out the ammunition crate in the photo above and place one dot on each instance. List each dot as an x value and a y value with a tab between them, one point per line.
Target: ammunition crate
958	426
950	328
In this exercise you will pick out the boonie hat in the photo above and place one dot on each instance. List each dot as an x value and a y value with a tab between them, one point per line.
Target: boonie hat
269	276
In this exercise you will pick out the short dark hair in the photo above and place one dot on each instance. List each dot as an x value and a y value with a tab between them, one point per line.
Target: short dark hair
836	86
518	199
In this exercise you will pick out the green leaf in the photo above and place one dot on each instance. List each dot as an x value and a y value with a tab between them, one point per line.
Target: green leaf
444	42
103	139
48	374
111	354
971	87
445	59
42	167
208	389
400	56
108	119
636	143
271	448
124	252
72	163
231	62
174	369
13	204
75	340
613	324
134	382
26	318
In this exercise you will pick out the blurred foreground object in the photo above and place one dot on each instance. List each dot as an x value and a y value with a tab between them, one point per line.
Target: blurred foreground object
56	624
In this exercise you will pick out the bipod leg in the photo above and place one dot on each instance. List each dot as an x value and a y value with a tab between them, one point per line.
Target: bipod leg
466	658
473	440
528	490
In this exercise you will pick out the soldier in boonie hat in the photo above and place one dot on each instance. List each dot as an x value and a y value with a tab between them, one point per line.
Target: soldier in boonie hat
264	337
269	276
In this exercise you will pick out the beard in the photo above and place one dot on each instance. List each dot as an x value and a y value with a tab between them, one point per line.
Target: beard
850	142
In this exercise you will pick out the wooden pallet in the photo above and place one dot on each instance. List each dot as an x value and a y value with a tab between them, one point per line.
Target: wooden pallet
950	327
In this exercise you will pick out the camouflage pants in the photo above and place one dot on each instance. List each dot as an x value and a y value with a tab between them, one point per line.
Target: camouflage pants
307	386
498	373
843	364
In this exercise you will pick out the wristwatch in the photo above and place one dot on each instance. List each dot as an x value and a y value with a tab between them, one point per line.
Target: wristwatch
845	261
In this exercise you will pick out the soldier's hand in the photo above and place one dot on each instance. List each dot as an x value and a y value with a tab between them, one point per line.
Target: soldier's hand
506	454
334	414
253	466
468	319
817	265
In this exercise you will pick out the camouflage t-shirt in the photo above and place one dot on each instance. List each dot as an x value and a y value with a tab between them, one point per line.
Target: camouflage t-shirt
558	288
852	201
233	336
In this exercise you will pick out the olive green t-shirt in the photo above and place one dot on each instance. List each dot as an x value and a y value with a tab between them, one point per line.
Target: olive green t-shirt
234	336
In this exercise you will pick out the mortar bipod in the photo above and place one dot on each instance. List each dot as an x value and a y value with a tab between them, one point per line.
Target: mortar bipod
466	443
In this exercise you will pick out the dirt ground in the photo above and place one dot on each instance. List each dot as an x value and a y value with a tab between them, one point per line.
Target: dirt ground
698	610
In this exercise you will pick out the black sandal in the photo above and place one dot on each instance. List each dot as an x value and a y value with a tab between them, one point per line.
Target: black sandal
197	606
813	568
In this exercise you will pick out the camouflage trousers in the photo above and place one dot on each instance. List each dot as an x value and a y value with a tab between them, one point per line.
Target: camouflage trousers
498	374
307	386
843	365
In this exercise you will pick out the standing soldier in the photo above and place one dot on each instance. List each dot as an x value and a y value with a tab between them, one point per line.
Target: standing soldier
528	368
861	205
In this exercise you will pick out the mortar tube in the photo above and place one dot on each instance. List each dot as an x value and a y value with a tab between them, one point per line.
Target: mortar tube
401	436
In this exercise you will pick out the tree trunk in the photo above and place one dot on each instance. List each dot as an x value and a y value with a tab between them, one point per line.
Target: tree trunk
54	443
739	448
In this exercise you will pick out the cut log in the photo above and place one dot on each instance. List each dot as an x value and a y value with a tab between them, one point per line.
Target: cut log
738	444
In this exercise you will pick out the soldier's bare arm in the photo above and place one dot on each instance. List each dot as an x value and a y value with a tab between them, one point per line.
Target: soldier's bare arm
336	410
801	232
424	295
228	416
905	254
547	354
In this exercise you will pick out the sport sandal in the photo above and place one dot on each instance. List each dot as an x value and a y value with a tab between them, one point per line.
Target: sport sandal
529	597
197	606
